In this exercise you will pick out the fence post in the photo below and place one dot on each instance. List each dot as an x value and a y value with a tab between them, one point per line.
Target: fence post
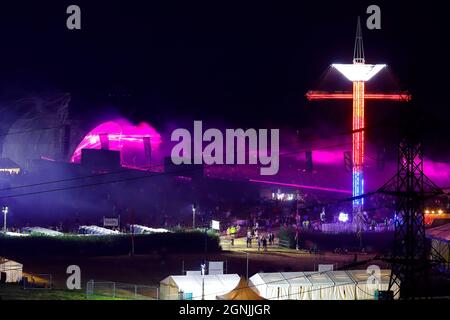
89	287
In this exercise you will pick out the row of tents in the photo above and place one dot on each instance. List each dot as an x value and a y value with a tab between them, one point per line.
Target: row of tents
326	285
85	230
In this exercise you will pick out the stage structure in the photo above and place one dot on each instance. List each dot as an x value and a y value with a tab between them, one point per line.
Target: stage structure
358	73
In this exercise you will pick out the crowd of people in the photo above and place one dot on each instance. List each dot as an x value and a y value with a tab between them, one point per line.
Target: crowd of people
262	239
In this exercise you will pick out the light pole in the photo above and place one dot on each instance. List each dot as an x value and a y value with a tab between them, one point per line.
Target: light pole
247	265
5	213
194	207
203	280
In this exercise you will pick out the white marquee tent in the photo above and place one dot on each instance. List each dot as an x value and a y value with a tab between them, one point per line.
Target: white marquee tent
329	285
97	231
138	229
191	286
12	270
41	231
440	241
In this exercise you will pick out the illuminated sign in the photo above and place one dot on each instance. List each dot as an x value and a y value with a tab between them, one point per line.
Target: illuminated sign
215	225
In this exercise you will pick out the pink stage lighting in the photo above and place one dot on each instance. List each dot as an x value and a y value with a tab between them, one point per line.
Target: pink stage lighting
121	135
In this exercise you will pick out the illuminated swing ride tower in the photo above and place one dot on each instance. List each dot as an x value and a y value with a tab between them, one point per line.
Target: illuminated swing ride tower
358	73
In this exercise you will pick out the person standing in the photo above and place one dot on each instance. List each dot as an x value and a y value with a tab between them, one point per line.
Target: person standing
264	242
249	239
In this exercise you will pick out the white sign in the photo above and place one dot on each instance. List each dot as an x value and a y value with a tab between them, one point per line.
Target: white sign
110	222
215	267
215	225
325	267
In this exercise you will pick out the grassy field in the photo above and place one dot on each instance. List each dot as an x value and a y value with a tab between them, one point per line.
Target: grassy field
371	241
16	292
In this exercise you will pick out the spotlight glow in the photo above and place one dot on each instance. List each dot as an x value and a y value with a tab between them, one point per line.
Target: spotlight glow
359	72
343	217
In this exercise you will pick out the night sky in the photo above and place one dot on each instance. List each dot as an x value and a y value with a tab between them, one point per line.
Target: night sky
244	62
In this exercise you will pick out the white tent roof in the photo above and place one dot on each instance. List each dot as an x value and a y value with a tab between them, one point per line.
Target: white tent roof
441	233
138	229
214	285
273	279
96	230
296	278
319	278
12	269
42	231
340	277
327	285
362	276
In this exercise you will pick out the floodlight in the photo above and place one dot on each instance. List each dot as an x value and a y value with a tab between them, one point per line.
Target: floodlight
215	225
359	72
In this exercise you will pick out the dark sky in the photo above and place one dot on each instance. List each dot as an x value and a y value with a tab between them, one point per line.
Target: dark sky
246	62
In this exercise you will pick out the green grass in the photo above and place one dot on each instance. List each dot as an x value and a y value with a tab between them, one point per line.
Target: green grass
16	292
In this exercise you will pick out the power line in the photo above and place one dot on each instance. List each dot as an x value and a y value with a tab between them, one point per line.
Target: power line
125	170
153	166
311	139
97	183
160	165
73	179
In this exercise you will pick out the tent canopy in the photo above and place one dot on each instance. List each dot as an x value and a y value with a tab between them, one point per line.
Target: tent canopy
242	292
12	270
440	242
441	233
327	285
195	286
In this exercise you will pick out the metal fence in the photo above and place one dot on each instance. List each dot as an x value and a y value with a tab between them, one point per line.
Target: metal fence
284	244
117	290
